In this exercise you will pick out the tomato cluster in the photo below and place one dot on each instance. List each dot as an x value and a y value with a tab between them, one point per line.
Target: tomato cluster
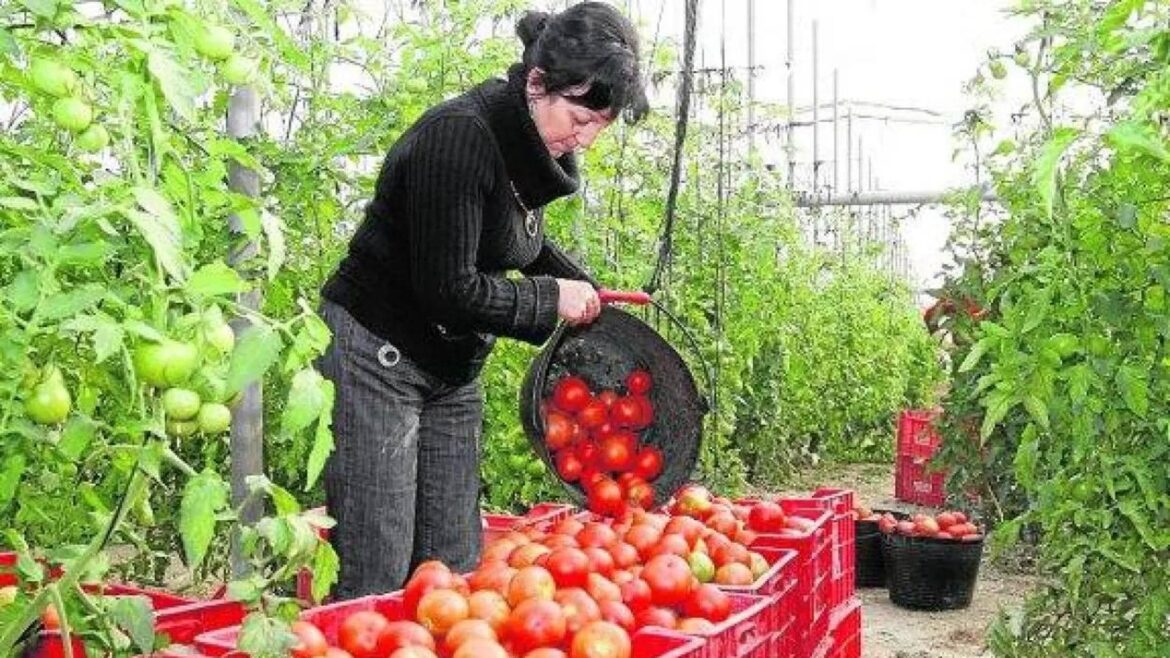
947	525
738	519
594	441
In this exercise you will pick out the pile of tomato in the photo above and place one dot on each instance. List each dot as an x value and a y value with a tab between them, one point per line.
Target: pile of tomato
594	440
946	525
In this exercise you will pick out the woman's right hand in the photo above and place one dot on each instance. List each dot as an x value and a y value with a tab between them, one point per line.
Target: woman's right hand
578	302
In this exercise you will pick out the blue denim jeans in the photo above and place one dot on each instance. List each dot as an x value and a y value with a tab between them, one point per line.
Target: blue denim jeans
403	480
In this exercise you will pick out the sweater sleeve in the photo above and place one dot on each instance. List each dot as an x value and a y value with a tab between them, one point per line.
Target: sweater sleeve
446	182
553	261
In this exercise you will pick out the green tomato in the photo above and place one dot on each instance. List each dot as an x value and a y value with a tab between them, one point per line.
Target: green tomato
94	139
998	70
181	403
535	467
702	566
221	337
1021	58
72	113
49	402
215	42
182	428
239	70
8	595
180	361
214	418
52	78
149	361
517	462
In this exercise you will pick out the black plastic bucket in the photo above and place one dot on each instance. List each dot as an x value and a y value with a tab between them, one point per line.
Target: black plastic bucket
871	569
931	574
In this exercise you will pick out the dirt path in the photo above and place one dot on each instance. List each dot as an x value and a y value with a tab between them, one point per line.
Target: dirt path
892	632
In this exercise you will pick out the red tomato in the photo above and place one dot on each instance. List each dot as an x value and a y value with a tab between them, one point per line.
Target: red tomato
640	494
766	517
536	623
734	573
579	608
643	537
568	567
624	555
618	613
465	630
690	529
492	576
601	639
590	476
490	606
593	415
587	452
605	498
597	534
531	583
670	545
561	541
601	560
646	417
571	394
569	527
724	523
670	579
694	625
423	581
946	520
638	382
625	412
398	634
569	466
50	619
361	633
413	652
709	602
648	463
441	609
480	647
545	652
559	430
602	588
729	553
311	641
656	616
607	396
334	652
497	551
526	555
615	453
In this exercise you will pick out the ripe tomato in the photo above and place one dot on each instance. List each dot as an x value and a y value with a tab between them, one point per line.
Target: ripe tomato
625	412
638	382
413	652
423	581
640	494
578	607
526	555
536	623
646	417
569	466
587	452
531	583
670	544
615	453
694	625
399	634
361	632
601	639
648	463
497	551
624	555
50	619
656	616
568	567
492	576
490	606
568	527
734	573
608	396
334	652
441	609
561	541
766	517
465	630
593	415
729	553
643	537
480	647
559	430
600	560
708	602
724	523
670	579
605	498
571	394
598	535
946	520
545	652
310	640
618	613
602	588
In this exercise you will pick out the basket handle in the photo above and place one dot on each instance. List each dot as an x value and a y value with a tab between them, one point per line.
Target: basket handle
638	297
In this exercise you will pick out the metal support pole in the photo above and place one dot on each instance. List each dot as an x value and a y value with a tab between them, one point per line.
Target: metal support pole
836	132
751	77
791	96
849	149
884	198
816	91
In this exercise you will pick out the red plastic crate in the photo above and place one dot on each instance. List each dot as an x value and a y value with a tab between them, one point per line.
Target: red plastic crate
844	532
822	650
914	484
542	515
917	436
845	629
650	643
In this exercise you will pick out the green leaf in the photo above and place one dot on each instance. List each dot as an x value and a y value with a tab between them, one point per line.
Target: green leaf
998	405
1134	389
75	438
42	8
1037	409
215	278
283	501
164	239
322	447
274	233
70	303
107	333
289	50
19	203
205	495
1080	378
1140	138
175	82
976	353
1140	518
136	616
8	45
306	399
84	253
1027	456
1127	215
10	474
257	349
262	636
247	590
1037	310
25	291
326	567
1048	163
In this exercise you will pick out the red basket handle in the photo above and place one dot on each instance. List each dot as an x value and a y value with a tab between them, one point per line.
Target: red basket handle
623	297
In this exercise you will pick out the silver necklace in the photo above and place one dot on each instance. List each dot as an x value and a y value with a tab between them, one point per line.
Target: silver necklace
530	223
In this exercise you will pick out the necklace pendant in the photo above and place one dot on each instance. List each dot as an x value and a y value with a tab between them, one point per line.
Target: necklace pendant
530	224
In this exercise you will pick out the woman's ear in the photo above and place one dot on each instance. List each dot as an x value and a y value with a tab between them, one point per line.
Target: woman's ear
535	82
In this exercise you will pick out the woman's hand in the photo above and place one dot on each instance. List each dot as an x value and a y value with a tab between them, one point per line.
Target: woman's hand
578	303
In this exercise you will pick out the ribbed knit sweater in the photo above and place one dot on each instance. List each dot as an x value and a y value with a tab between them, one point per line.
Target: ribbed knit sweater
428	267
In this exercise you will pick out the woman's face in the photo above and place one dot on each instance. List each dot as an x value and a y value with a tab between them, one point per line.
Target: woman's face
564	125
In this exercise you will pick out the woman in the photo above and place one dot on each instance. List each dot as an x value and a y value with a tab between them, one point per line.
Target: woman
418	301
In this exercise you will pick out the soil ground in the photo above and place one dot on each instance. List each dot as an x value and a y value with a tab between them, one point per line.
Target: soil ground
892	632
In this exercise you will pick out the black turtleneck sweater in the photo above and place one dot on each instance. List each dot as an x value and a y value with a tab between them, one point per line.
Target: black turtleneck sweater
427	268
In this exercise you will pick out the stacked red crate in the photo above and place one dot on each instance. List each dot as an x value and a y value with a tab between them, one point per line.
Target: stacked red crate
918	441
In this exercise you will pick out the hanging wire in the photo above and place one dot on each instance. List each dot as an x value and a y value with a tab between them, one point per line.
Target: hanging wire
680	135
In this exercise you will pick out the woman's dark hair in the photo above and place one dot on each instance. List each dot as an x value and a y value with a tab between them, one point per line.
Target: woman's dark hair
590	42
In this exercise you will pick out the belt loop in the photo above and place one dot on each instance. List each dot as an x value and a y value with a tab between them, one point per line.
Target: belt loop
389	356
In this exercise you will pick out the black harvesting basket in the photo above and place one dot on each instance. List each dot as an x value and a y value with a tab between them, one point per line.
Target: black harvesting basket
931	574
603	353
871	570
